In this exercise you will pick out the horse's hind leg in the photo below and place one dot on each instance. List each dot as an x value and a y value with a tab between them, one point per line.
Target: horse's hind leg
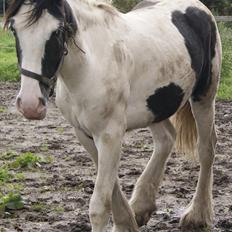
143	198
200	211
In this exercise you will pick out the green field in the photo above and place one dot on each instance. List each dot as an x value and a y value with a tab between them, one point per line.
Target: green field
8	60
225	91
9	71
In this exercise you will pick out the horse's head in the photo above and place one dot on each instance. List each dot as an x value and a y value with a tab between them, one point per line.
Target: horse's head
41	29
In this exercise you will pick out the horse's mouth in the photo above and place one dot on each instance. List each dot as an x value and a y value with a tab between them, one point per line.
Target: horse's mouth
30	115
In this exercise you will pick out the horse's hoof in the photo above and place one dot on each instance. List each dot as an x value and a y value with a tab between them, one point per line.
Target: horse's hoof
125	229
143	219
197	219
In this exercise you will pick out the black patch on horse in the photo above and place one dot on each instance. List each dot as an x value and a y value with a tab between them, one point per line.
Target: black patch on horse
199	32
17	43
53	54
54	47
165	101
18	49
145	3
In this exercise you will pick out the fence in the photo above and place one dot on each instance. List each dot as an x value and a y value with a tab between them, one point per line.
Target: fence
3	7
224	18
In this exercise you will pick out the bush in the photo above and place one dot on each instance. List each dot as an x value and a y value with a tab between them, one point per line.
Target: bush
222	7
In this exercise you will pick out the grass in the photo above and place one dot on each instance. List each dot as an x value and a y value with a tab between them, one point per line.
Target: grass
12	177
8	62
10	198
2	109
11	201
5	175
45	208
26	160
9	70
8	155
40	207
44	148
225	90
60	130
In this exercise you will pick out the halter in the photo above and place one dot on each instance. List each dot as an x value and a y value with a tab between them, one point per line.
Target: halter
45	81
42	80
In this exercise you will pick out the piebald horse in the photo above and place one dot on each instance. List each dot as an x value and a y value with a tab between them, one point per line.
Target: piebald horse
117	72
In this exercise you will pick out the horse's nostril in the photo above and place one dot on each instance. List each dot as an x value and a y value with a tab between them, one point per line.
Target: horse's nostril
42	101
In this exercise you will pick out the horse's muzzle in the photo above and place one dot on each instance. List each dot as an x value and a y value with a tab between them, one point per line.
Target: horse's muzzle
32	110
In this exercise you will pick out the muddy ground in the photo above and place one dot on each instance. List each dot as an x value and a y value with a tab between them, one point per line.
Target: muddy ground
57	194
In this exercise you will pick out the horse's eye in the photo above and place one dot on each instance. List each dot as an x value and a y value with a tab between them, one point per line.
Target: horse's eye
10	25
11	28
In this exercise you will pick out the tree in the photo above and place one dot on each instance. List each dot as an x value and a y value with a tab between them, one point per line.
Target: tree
125	5
2	2
219	7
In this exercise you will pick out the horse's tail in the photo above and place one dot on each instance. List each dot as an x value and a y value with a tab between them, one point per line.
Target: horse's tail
186	132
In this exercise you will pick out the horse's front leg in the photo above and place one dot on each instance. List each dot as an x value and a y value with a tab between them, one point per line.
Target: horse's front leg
123	215
108	143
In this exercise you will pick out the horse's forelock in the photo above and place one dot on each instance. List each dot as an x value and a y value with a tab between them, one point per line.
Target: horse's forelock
12	10
38	7
60	9
55	7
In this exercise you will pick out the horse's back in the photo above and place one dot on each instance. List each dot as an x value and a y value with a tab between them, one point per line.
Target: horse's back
174	52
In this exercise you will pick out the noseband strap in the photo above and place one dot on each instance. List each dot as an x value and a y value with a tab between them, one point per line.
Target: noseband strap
43	80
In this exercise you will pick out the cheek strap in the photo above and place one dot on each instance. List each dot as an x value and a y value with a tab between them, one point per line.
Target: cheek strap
43	80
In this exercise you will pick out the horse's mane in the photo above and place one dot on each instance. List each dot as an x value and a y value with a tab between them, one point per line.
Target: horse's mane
105	5
38	7
55	6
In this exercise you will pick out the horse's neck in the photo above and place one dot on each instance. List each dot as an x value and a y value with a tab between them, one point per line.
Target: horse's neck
90	13
95	36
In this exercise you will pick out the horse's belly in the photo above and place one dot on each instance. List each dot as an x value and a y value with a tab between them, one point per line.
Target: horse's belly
153	99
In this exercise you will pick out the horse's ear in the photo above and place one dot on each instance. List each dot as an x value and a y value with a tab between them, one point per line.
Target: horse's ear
71	24
57	2
50	3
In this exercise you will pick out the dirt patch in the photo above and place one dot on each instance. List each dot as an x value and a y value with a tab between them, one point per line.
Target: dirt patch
57	194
